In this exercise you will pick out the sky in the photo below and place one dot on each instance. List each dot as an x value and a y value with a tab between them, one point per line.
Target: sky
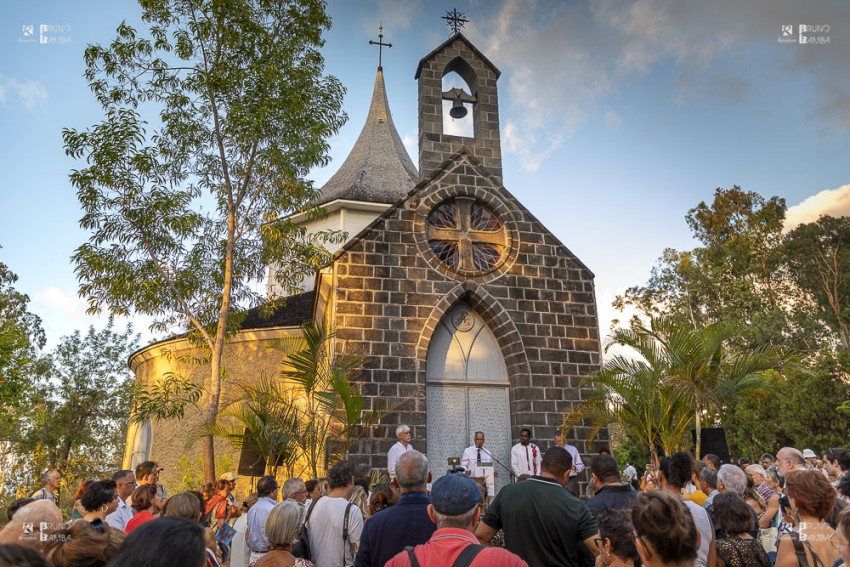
616	118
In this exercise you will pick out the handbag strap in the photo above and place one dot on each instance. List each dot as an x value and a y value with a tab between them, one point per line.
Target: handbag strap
799	550
310	509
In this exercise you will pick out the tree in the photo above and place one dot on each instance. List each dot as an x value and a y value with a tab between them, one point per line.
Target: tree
735	276
632	393
329	414
700	367
184	218
21	336
818	259
78	408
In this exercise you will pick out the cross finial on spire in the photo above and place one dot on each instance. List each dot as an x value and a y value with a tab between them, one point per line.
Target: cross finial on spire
455	20
380	43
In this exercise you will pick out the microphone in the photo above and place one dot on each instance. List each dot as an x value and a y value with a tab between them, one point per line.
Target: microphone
495	460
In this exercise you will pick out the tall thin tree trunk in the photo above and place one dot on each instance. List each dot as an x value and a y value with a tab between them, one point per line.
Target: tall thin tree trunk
698	422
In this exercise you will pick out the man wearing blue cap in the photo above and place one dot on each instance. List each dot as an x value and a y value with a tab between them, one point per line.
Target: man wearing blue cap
455	509
543	523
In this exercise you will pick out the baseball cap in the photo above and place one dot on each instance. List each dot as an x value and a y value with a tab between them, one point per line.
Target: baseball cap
809	454
228	476
455	494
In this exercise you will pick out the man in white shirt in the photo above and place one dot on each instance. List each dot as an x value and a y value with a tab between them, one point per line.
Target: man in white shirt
475	455
125	481
402	432
336	524
578	466
525	457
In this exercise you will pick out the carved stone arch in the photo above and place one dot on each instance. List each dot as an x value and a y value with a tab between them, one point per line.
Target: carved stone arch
497	319
460	66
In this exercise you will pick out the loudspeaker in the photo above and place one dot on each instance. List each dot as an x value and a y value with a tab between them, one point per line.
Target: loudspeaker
251	461
712	440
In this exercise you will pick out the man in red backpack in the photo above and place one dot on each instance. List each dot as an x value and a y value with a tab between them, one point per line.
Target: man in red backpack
455	509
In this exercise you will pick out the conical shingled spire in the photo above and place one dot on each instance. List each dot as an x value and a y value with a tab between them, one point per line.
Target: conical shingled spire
378	169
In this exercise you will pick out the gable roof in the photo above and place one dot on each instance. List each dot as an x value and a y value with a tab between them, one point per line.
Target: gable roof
443	45
482	171
378	169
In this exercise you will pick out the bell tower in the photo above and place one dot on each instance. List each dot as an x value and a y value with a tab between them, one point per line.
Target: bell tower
458	55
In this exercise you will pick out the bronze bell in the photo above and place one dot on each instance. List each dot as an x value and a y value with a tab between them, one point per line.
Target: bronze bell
458	109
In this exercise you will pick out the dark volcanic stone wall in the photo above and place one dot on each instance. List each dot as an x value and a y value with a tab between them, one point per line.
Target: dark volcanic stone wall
391	292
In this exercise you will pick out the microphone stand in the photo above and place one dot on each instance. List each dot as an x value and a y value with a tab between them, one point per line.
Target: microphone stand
495	460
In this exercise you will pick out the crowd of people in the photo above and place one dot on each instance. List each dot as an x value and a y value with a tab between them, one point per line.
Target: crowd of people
784	511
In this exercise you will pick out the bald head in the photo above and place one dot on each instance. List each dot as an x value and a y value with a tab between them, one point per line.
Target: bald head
28	523
411	472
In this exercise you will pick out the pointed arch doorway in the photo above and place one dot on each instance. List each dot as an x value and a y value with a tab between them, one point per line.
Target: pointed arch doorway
466	391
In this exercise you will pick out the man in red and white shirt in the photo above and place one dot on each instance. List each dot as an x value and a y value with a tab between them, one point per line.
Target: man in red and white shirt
525	457
454	508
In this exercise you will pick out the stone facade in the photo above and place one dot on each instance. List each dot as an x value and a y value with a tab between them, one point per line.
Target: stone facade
460	56
391	292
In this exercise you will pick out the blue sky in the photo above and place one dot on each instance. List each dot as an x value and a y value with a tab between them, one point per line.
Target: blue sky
617	117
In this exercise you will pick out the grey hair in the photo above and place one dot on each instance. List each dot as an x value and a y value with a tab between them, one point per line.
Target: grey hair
461	521
709	476
733	479
401	429
283	522
46	476
479	433
291	486
411	471
756	469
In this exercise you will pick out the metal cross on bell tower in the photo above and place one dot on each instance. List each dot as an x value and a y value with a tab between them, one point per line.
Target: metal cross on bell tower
380	43
455	20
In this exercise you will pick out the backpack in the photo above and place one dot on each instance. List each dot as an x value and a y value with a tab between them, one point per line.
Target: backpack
463	560
301	547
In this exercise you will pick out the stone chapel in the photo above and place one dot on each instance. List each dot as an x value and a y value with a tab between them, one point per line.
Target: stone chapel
464	303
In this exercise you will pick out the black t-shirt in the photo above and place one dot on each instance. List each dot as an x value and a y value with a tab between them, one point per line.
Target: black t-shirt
543	523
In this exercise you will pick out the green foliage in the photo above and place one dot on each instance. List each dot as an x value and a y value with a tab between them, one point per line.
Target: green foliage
190	473
801	412
680	376
785	289
212	120
21	336
79	407
329	414
261	416
818	259
165	399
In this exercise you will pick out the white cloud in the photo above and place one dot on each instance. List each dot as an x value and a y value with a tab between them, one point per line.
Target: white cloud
29	92
62	312
607	316
832	202
562	60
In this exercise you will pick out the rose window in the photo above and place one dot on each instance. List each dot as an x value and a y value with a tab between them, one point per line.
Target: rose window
466	235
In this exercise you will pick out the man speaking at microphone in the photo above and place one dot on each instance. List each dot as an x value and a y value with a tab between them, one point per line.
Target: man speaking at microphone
476	458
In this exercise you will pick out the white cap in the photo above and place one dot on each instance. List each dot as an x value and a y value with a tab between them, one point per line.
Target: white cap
809	454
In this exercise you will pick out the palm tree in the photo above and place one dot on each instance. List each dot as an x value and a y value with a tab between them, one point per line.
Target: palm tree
698	365
633	394
259	414
329	413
